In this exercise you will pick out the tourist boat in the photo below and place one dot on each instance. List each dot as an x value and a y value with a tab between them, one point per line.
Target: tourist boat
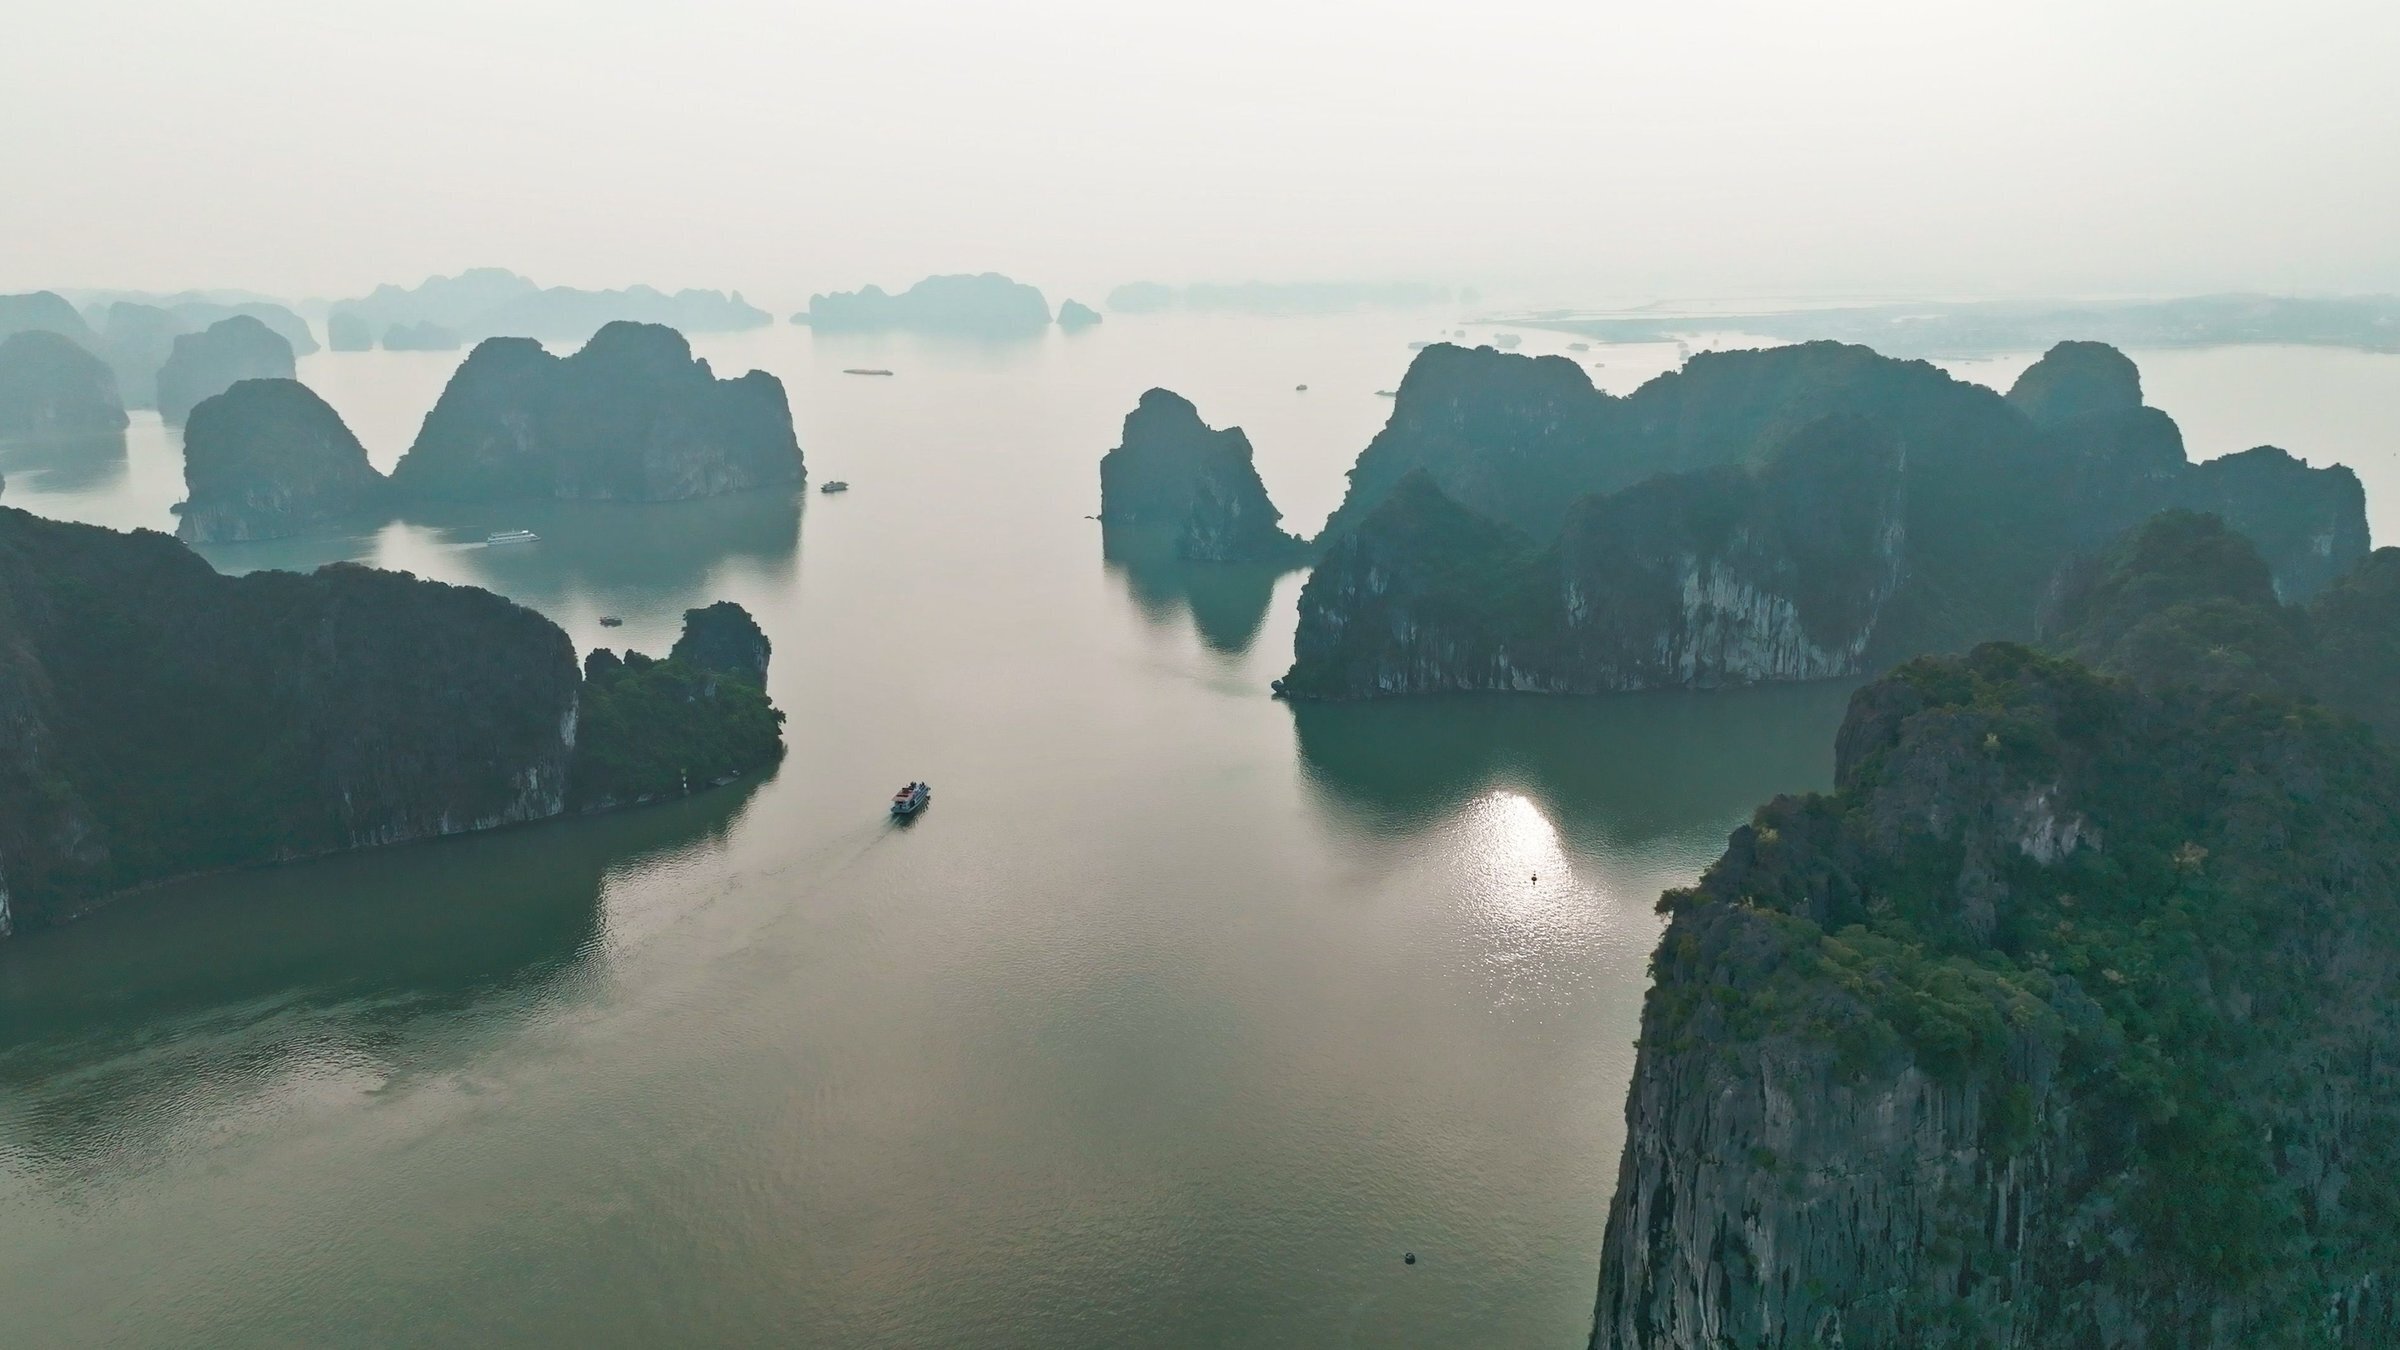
611	621
864	370
511	537
837	485
911	799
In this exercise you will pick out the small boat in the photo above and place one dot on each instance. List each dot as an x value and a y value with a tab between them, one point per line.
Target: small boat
511	537
611	621
863	370
911	799
837	485
1385	393
1299	388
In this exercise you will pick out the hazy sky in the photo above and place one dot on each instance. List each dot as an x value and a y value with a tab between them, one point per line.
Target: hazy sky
1577	150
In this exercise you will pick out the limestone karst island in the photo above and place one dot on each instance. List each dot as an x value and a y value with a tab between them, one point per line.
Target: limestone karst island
1531	677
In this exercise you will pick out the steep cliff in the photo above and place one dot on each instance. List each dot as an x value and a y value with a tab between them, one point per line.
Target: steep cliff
160	718
52	389
1173	472
268	459
1994	502
2072	1017
984	304
1723	576
630	416
211	361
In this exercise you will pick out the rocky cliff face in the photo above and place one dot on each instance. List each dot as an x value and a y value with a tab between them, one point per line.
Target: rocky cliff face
631	416
1722	577
166	719
52	389
211	361
1173	472
1994	503
268	459
2069	1018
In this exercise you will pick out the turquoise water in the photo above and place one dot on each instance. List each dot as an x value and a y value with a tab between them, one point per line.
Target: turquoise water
1174	1021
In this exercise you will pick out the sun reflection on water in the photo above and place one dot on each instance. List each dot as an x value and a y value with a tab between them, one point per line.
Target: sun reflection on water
1531	913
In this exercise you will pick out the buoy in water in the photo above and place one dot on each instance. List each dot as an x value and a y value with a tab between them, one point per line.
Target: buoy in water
1408	1258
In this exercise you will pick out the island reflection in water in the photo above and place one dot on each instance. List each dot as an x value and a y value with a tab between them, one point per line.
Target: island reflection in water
62	464
1615	773
645	562
217	995
1228	602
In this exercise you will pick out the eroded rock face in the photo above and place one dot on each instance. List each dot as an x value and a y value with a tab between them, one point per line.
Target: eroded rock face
160	718
52	389
1173	472
268	459
631	416
1995	502
1727	576
2077	378
1906	1075
213	360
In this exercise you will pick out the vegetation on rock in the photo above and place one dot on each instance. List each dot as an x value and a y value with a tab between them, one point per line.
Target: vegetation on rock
632	415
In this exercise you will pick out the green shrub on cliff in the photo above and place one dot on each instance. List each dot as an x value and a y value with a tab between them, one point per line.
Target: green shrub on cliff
651	728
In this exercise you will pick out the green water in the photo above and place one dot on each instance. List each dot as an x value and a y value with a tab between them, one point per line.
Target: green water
1179	1016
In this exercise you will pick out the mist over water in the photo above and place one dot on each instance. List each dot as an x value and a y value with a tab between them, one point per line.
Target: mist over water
1175	1020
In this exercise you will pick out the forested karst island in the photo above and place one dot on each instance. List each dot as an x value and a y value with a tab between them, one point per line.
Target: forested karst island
214	359
268	459
50	388
1788	513
984	304
2070	1017
631	415
495	302
1173	475
158	718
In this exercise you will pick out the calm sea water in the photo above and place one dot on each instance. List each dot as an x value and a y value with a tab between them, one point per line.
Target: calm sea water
1175	1021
